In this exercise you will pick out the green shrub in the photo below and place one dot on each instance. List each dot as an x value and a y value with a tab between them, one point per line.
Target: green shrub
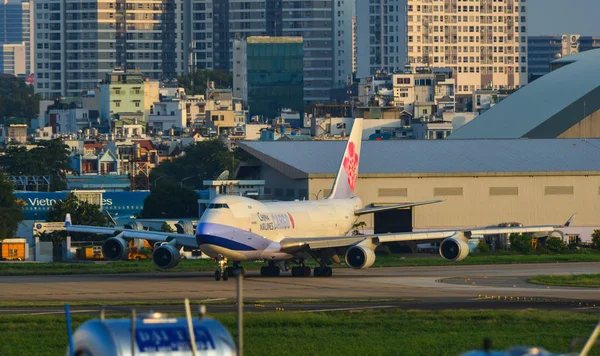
520	243
596	240
555	244
483	247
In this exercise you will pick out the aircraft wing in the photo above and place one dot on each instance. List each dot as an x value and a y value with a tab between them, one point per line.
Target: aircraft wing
392	207
292	245
129	234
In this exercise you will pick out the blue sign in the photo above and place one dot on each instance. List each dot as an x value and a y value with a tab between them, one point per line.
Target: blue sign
171	339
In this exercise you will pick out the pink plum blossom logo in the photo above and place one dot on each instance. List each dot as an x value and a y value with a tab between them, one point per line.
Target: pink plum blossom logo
351	166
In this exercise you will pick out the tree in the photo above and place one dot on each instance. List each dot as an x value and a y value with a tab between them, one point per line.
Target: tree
555	244
169	200
82	212
201	161
49	158
196	83
596	239
17	99
11	210
520	243
166	227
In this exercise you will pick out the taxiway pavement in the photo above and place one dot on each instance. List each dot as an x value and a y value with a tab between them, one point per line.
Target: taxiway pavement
438	284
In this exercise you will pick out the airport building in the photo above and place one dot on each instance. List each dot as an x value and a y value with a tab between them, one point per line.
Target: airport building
561	104
480	182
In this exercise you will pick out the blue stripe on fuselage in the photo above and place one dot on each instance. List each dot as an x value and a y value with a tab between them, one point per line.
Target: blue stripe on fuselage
223	236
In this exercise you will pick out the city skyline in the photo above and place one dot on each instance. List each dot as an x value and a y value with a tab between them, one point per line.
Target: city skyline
581	16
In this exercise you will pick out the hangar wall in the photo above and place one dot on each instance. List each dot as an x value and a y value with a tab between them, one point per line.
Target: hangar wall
484	200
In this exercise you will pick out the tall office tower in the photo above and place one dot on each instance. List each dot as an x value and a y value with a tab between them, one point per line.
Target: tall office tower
343	28
16	28
381	36
313	21
483	41
209	27
78	43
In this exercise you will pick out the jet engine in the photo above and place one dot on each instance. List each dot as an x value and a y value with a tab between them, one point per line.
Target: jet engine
453	249
115	248
360	256
166	256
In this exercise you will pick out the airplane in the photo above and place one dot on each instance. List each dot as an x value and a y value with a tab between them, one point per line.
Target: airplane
238	229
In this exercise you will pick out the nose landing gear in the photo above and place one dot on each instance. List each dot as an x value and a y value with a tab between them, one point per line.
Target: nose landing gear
225	272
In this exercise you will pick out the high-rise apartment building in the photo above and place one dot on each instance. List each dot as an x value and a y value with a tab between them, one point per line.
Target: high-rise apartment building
483	41
16	28
544	49
380	36
12	59
206	35
77	43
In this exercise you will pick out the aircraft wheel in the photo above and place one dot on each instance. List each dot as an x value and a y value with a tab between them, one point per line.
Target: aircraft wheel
276	271
306	271
217	275
226	274
328	271
317	272
263	271
294	272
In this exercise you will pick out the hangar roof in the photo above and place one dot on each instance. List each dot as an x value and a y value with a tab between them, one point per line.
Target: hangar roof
304	159
546	107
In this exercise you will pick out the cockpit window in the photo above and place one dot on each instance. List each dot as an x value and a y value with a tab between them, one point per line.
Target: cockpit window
217	206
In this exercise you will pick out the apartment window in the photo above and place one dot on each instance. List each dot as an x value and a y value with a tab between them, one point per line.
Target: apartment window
137	104
117	104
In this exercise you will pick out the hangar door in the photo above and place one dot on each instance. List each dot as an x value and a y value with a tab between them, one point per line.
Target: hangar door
397	220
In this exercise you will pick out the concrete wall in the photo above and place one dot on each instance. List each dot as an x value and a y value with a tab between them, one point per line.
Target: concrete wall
588	127
277	185
484	200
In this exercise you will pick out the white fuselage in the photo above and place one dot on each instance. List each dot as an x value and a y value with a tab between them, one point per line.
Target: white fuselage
240	229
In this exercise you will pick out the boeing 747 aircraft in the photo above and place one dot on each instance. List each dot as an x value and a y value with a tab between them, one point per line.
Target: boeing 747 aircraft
238	229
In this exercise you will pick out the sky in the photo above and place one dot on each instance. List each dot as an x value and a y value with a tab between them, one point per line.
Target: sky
549	17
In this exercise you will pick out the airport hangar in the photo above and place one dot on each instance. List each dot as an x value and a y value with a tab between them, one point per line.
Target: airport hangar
481	182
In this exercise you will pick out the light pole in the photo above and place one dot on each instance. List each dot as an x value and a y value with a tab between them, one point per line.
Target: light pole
156	180
316	195
183	180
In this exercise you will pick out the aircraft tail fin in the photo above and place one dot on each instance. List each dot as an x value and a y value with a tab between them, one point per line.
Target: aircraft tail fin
345	181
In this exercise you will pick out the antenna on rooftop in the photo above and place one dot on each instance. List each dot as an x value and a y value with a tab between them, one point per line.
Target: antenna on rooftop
223	176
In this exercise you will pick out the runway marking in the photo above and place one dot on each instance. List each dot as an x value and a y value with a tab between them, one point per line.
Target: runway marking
59	312
347	309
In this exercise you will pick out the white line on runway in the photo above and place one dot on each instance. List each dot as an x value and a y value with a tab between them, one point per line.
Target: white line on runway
347	309
59	312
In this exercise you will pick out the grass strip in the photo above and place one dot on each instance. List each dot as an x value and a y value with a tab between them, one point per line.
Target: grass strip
375	332
146	266
578	280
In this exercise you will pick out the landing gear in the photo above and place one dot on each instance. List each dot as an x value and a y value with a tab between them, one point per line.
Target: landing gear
272	270
323	271
224	272
301	271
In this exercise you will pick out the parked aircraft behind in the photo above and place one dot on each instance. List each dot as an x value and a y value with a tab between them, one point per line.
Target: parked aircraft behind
238	229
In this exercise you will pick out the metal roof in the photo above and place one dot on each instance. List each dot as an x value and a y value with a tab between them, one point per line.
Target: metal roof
546	107
303	159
